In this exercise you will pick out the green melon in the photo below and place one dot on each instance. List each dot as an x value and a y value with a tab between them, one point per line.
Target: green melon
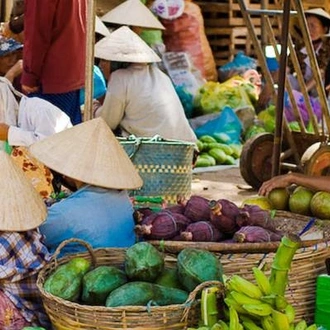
300	199
320	205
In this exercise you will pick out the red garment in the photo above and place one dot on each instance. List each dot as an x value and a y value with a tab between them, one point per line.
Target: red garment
54	45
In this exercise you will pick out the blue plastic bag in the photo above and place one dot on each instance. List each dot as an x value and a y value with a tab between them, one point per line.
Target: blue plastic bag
227	122
99	88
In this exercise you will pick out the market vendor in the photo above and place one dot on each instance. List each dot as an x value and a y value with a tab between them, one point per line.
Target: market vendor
90	162
318	23
140	99
23	253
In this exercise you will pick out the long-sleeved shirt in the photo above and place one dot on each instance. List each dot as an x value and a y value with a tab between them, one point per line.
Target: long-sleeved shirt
54	45
22	255
101	217
37	119
142	101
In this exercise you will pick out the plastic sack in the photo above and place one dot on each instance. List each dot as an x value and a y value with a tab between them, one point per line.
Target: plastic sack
238	65
301	104
187	34
100	86
227	122
214	97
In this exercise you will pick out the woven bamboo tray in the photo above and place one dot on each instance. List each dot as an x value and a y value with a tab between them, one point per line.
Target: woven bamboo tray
66	315
239	258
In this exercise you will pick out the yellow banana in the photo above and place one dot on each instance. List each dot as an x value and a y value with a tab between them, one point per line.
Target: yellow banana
242	298
233	319
262	281
302	325
280	302
290	313
281	321
267	322
240	284
258	309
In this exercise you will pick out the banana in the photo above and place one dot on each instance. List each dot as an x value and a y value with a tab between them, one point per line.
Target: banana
240	284
262	281
258	309
209	307
231	302
250	325
312	327
267	323
302	325
270	299
233	319
281	321
242	298
223	325
290	312
280	302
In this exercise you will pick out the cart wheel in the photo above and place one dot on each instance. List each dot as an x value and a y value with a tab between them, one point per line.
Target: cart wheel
316	160
256	159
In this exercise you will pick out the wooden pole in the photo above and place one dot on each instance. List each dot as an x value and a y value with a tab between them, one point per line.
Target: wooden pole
278	136
90	40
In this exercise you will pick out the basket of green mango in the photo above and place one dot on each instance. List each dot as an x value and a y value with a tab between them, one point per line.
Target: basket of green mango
117	288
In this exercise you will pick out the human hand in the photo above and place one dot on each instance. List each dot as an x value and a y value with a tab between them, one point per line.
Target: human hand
14	71
280	181
28	89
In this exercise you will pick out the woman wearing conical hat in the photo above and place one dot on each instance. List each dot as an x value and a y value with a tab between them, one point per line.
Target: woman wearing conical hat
318	23
23	253
90	162
140	98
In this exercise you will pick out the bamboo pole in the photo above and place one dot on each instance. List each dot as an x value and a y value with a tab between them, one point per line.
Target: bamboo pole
90	39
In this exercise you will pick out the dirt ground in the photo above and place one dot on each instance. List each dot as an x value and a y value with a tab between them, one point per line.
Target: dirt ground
224	182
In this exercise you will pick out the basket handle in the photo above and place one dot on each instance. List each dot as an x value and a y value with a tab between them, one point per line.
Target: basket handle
138	141
192	296
73	240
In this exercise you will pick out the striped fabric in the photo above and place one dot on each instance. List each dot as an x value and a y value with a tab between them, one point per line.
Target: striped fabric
67	102
22	255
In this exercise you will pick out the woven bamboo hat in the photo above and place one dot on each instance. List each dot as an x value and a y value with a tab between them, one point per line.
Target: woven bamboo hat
319	12
134	13
124	45
89	152
100	27
21	206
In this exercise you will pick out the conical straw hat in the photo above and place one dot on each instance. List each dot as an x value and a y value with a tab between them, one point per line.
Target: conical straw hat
318	12
134	13
89	152
100	27
124	45
21	207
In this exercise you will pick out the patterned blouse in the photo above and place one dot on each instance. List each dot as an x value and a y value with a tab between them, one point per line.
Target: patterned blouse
22	255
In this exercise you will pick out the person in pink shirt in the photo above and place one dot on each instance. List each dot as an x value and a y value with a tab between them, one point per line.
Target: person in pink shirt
54	52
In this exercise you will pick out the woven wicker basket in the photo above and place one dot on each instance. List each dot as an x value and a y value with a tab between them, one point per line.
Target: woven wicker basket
239	258
164	165
66	315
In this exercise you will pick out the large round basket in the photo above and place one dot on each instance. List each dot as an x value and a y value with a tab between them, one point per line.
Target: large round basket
66	315
239	258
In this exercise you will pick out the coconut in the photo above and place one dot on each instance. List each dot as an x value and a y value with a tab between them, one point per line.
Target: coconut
300	199
279	198
262	201
320	205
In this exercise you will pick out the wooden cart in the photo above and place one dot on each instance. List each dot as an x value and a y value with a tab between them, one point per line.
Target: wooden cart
266	155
